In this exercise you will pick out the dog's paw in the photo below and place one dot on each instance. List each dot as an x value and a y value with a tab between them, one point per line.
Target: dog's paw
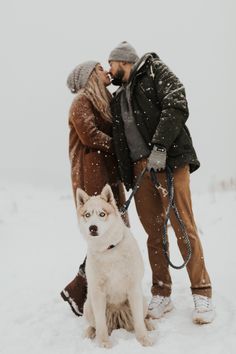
149	324
105	344
90	332
145	340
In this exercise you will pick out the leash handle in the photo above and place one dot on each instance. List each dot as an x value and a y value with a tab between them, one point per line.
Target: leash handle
170	186
171	204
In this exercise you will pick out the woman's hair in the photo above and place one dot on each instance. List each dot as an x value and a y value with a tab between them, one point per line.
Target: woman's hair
98	94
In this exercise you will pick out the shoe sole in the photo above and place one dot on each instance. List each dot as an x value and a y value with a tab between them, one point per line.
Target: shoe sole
67	298
201	321
167	309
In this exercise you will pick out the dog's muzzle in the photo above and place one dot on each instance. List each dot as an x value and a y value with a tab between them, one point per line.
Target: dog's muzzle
93	230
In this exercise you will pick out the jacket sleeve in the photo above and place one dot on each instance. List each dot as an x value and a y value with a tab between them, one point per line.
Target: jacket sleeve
83	120
174	106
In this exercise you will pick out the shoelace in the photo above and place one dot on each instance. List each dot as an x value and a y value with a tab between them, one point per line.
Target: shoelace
201	301
157	300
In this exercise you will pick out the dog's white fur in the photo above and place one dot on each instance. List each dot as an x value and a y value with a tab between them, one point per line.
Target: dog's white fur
114	274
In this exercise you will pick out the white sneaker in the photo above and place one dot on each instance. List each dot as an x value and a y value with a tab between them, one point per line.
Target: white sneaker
159	305
204	311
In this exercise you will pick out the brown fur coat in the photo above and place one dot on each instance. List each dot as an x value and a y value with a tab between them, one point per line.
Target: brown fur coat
93	163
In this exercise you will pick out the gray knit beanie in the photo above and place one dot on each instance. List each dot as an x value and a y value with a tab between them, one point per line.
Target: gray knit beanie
79	76
124	52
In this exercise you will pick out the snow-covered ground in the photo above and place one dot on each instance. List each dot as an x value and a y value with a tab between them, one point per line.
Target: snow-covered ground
41	248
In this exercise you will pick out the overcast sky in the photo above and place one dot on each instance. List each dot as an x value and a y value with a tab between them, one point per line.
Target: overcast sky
42	41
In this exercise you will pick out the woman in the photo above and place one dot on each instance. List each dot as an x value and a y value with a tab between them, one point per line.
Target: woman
93	162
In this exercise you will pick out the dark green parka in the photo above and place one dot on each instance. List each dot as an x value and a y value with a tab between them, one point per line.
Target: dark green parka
160	109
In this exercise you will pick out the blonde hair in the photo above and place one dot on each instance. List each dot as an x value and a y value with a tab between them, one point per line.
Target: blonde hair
98	94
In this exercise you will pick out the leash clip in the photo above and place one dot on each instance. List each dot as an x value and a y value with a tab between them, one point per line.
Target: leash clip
123	209
157	184
162	189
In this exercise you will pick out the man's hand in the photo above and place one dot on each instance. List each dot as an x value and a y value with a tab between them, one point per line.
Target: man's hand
157	159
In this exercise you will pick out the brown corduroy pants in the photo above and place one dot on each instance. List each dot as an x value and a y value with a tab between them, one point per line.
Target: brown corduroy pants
151	205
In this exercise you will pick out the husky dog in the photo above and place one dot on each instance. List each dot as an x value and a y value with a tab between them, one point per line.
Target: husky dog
114	270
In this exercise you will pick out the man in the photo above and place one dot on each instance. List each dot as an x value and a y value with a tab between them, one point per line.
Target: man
149	113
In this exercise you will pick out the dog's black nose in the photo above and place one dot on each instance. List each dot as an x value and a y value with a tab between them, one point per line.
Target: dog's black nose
93	230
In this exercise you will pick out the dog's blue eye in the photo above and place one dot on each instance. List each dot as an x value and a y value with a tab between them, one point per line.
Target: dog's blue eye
102	214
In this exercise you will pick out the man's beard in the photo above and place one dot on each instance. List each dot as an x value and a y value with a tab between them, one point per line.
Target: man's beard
118	77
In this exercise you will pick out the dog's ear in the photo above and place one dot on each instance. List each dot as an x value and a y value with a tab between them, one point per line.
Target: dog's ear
107	195
81	197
